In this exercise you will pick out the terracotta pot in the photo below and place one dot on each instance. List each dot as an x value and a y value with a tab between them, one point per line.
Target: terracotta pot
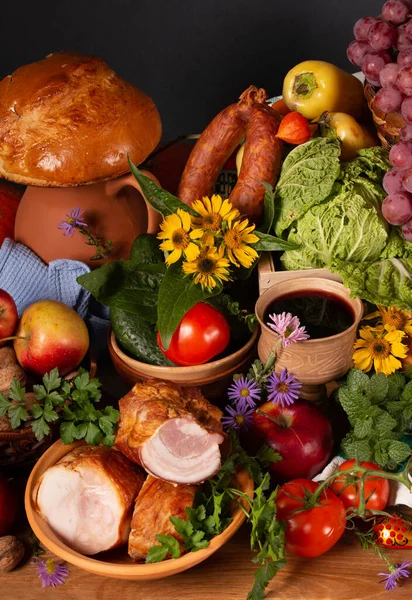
314	362
213	377
116	563
114	210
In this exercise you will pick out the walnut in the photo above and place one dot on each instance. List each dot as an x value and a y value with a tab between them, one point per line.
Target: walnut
7	356
8	373
11	553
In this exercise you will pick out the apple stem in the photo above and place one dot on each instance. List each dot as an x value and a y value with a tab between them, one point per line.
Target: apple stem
12	337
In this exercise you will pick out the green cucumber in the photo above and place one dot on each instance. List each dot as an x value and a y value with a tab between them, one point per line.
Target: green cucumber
137	337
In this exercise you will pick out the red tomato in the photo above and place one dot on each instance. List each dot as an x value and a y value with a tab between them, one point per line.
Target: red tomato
312	531
376	489
202	334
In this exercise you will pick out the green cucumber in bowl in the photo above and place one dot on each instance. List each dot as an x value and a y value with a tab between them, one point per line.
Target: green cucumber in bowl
137	337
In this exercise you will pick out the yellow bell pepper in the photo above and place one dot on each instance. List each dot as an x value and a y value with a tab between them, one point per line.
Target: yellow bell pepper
352	135
315	86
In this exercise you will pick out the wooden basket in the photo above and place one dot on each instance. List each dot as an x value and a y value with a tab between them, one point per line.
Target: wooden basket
268	275
388	125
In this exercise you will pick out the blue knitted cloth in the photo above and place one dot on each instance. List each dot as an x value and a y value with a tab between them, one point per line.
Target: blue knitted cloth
28	279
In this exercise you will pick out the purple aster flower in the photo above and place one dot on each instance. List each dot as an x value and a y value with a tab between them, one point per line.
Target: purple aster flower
397	572
73	220
239	417
49	573
288	328
244	392
284	389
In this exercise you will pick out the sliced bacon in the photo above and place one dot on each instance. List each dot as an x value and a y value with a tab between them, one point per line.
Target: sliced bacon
173	432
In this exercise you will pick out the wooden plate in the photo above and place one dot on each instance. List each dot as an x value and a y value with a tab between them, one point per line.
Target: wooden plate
117	563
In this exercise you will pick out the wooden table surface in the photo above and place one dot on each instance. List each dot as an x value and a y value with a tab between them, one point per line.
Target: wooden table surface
346	572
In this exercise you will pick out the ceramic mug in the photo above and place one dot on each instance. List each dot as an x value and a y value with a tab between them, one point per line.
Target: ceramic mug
113	210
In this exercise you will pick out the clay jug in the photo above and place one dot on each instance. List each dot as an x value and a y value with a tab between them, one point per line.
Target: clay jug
113	210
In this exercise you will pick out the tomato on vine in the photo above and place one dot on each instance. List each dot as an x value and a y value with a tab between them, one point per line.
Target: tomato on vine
348	487
313	525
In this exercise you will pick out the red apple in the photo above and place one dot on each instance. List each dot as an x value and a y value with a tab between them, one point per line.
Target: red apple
8	316
50	334
8	505
300	433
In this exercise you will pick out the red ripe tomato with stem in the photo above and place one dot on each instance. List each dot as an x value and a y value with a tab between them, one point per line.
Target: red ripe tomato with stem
202	334
348	487
314	521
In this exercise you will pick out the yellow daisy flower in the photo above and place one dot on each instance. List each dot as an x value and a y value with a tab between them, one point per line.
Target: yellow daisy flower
178	239
210	267
213	212
236	239
380	349
393	318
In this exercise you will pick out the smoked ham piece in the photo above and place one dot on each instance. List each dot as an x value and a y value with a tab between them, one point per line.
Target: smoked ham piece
173	432
87	498
157	501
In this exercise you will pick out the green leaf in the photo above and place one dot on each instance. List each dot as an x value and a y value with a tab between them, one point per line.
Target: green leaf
51	381
407	392
398	451
159	199
109	440
183	527
354	403
307	178
156	554
384	423
358	381
360	449
266	456
270	243
106	425
145	250
381	453
4	404
177	295
168	545
94	435
17	414
396	383
263	575
81	430
378	387
49	414
268	209
363	428
40	429
125	285
68	432
16	391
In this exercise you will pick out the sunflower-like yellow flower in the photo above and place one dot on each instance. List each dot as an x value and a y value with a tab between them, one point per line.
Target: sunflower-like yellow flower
213	212
178	239
210	267
236	239
393	318
379	348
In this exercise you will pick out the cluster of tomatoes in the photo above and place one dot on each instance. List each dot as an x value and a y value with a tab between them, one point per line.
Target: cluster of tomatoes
314	526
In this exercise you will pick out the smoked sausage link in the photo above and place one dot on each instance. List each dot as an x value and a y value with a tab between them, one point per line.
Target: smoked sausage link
215	145
261	162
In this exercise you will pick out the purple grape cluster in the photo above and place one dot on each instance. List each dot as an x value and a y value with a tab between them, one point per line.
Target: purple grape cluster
383	49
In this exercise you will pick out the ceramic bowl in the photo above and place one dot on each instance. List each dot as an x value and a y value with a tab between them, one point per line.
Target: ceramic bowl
117	563
314	362
213	377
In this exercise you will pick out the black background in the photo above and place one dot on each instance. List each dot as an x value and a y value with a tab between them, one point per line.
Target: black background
193	58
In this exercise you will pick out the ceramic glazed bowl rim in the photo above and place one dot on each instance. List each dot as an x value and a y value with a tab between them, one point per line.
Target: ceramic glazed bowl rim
203	369
132	571
317	282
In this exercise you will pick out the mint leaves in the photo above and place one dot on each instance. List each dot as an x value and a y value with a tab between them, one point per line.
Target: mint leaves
379	409
70	402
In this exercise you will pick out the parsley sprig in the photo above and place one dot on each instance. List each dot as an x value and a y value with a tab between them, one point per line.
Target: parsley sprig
70	402
379	409
211	516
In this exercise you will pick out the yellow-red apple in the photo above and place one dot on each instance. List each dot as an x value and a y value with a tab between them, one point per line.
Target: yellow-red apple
50	334
8	316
